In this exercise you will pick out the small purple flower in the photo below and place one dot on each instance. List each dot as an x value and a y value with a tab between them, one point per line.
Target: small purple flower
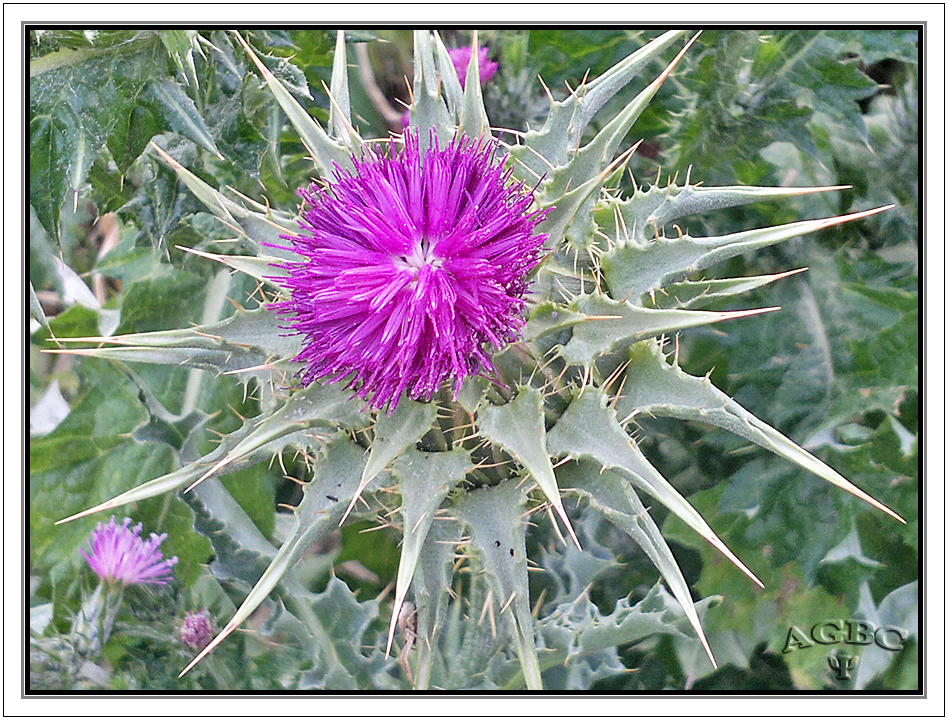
118	555
462	57
410	266
197	629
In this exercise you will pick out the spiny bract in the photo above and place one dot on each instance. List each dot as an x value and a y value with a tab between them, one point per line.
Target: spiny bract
465	467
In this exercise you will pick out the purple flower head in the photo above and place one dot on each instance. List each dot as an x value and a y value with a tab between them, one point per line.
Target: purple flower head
462	57
411	265
118	555
197	629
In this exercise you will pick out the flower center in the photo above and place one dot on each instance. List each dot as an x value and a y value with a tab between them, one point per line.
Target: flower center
422	254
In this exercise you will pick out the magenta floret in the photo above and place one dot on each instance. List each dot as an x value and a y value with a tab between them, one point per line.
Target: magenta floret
461	57
118	555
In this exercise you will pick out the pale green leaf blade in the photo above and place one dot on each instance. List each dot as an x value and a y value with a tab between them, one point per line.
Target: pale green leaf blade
473	117
335	478
450	83
431	584
550	317
265	268
262	228
694	294
472	393
192	471
589	429
691	200
898	614
36	309
564	207
653	386
610	324
611	495
590	160
215	202
322	406
340	118
498	531
323	149
248	340
600	90
631	270
430	111
393	434
548	148
425	479
634	219
518	427
577	630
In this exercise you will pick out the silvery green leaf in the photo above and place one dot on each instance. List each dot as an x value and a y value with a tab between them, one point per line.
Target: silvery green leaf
429	110
593	158
430	585
336	477
317	406
395	433
450	83
256	440
342	630
261	228
518	427
472	120
425	479
472	392
612	496
694	294
609	324
850	549
242	552
550	147
633	219
248	340
654	387
631	270
578	631
589	429
340	119
36	309
565	207
498	531
265	268
324	150
691	200
896	617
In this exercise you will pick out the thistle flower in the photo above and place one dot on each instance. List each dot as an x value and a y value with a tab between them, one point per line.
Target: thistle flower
119	556
462	57
409	267
197	629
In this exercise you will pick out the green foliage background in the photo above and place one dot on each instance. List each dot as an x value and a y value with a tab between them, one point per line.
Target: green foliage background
836	370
